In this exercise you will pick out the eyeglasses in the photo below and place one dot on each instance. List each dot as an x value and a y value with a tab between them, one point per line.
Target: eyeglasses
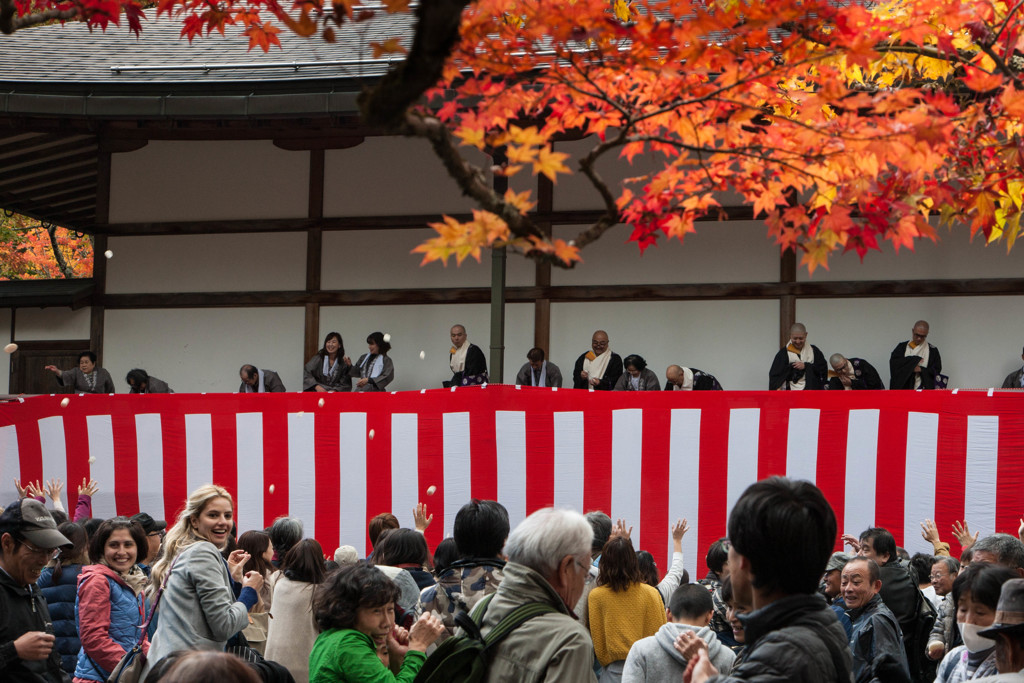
160	533
582	565
49	553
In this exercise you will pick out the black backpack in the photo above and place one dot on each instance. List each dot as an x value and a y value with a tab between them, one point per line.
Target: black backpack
464	659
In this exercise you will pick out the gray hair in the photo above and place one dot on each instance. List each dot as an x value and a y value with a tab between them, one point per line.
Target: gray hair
284	533
541	540
1009	551
951	564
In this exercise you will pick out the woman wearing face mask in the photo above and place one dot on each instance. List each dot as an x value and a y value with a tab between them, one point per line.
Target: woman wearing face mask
111	606
975	594
199	609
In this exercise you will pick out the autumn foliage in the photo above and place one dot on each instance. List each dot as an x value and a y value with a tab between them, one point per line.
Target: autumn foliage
844	126
30	251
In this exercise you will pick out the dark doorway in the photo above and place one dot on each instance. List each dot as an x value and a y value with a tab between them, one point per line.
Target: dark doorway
28	365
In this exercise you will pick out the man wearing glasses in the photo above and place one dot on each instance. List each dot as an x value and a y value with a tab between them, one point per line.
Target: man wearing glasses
28	540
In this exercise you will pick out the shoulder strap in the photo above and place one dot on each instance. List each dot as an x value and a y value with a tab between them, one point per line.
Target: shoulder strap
514	620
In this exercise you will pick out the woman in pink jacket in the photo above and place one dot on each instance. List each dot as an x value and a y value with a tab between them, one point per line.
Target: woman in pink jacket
111	605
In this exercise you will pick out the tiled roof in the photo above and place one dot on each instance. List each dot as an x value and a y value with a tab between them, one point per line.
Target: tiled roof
61	56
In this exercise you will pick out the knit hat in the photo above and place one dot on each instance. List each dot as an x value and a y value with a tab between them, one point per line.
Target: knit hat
346	554
837	561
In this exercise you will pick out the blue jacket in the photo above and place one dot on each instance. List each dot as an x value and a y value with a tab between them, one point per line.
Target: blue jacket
60	600
113	621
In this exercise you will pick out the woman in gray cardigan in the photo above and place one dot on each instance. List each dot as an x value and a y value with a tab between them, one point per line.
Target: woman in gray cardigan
198	609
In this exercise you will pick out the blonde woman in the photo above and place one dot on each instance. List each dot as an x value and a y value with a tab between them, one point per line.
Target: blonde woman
198	609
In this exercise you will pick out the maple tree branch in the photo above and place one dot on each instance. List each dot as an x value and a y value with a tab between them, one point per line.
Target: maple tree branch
437	30
11	22
610	217
51	231
470	179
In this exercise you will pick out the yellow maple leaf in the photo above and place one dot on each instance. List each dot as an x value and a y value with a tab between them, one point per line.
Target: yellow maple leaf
472	137
550	163
521	200
623	10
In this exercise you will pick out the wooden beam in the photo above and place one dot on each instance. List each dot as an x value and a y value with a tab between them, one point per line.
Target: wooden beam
589	293
359	222
787	302
97	317
314	252
542	272
48	165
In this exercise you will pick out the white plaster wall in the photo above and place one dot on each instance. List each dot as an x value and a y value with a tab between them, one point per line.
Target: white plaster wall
426	328
366	259
5	338
979	338
392	176
955	255
725	338
41	324
718	252
207	263
201	350
208	180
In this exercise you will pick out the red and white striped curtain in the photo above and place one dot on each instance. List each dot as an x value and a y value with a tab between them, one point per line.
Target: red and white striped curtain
882	458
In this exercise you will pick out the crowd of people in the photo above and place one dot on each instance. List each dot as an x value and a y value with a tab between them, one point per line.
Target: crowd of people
913	364
561	597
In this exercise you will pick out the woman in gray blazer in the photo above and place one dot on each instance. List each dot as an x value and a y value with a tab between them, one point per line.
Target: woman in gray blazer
198	610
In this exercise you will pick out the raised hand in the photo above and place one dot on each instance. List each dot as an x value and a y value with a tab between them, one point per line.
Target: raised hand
963	535
679	529
930	532
88	487
34	489
852	541
619	529
53	489
420	518
22	491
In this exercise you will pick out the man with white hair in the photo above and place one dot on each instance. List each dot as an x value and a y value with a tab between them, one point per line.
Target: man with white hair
548	560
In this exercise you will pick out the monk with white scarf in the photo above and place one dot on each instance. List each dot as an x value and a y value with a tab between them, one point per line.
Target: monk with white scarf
467	361
915	364
849	374
538	372
799	365
259	381
599	368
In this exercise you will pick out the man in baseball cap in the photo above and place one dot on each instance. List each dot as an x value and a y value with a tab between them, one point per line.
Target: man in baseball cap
154	529
1008	632
28	540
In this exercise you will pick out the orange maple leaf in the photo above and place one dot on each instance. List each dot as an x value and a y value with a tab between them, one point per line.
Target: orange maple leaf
521	200
263	35
980	80
394	6
391	46
550	163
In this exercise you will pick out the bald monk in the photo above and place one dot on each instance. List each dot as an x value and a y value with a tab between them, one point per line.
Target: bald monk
852	373
915	364
599	368
689	379
799	365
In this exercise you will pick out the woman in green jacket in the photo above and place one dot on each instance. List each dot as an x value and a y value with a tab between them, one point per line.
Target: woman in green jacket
358	641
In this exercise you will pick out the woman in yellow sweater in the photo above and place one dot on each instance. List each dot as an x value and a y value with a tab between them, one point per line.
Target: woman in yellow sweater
622	608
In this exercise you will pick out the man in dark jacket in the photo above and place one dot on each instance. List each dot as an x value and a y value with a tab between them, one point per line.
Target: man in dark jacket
791	634
28	540
876	640
899	593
